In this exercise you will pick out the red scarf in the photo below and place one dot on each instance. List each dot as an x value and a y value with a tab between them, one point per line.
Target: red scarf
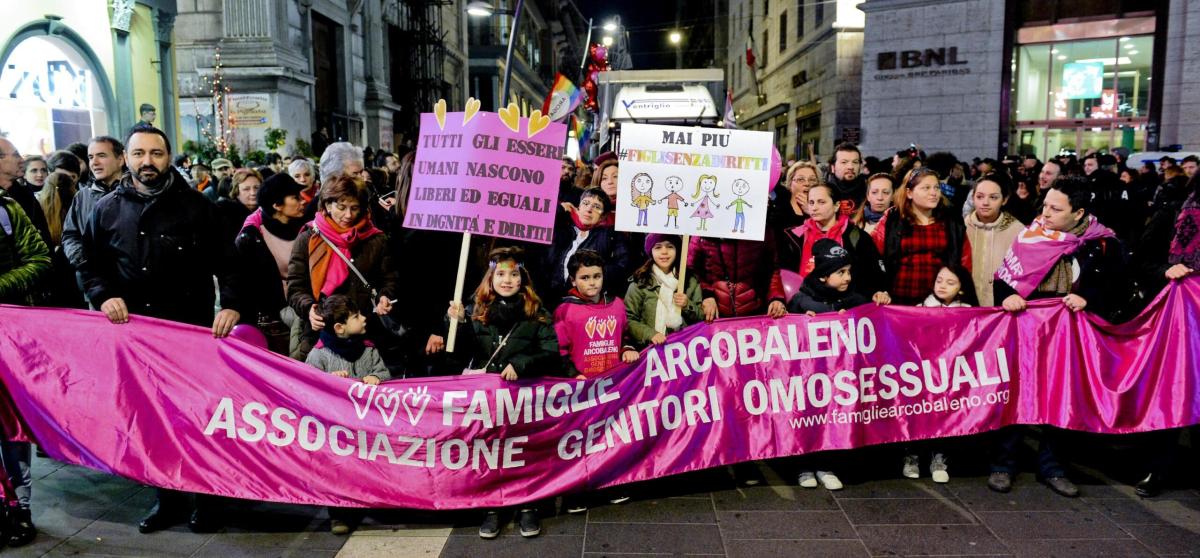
810	232
326	271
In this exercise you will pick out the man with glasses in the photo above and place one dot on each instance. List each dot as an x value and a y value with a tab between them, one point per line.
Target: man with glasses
24	264
13	183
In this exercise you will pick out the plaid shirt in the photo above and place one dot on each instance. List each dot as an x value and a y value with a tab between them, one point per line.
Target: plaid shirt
920	260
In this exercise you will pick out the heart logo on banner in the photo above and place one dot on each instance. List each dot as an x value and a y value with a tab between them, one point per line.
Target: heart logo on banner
439	110
511	117
414	401
360	395
537	122
388	403
471	110
590	326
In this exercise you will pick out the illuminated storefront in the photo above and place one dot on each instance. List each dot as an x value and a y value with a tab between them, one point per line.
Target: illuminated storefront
985	78
72	70
1082	86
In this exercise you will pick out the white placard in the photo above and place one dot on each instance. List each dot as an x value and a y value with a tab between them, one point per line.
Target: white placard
689	180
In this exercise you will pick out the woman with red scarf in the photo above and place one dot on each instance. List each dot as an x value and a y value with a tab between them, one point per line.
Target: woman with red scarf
825	221
315	271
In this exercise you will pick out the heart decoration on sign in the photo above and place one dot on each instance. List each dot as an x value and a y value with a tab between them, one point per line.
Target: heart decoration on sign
471	110
388	403
439	110
414	401
537	122
511	117
360	395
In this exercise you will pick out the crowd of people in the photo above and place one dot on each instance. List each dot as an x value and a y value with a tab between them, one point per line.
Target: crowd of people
314	254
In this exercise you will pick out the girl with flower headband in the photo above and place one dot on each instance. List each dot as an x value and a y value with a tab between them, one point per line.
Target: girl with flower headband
506	331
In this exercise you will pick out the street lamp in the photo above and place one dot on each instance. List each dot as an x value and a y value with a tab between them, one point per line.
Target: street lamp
676	39
486	9
607	41
611	26
480	9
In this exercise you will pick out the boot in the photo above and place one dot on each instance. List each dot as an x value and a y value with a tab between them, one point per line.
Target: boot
20	527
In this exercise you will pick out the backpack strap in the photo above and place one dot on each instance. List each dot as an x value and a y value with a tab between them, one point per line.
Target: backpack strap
5	219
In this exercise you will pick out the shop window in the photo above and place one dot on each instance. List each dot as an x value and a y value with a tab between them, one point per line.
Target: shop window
1079	88
1133	76
1032	86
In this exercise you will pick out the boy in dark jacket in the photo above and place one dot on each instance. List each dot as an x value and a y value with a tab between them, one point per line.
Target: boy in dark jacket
827	287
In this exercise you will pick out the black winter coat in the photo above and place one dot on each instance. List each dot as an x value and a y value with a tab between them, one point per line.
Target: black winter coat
159	254
263	286
1101	278
866	266
531	347
372	260
612	246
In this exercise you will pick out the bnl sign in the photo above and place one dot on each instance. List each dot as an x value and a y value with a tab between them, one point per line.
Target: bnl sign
927	58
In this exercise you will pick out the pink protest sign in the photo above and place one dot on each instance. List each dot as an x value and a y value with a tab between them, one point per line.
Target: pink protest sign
494	174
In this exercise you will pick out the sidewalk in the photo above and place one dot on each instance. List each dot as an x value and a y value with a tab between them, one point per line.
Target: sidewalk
83	513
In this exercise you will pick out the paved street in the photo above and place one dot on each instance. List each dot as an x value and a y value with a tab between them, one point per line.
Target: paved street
83	513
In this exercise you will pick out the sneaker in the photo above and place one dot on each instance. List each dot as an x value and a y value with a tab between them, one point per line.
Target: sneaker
912	467
490	528
830	480
1000	481
339	527
619	498
938	469
1063	486
574	504
529	523
808	479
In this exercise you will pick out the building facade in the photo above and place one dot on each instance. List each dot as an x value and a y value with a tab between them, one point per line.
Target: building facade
805	83
983	78
359	69
72	70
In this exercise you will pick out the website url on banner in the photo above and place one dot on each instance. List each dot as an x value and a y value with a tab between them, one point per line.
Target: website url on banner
872	414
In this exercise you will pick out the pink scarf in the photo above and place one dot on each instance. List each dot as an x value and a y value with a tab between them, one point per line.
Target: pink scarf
326	269
810	232
1036	250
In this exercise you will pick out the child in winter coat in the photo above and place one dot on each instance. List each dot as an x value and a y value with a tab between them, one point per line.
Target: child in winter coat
953	288
590	328
827	287
506	331
344	352
653	303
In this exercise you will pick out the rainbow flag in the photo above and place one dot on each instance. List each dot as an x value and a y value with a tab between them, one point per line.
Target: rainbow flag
583	133
564	97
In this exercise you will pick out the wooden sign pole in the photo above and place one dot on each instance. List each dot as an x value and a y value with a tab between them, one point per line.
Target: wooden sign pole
683	260
458	289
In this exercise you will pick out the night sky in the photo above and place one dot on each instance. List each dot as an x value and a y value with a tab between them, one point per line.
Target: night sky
648	23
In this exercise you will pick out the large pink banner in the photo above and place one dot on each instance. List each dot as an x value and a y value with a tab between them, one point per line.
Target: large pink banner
168	405
487	173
